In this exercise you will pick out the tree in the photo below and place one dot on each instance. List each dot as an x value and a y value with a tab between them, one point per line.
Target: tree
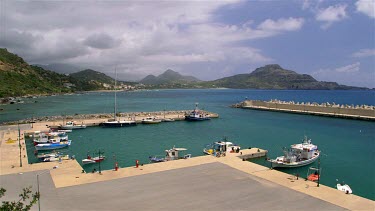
21	203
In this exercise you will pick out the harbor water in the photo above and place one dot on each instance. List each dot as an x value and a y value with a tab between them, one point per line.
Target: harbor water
347	146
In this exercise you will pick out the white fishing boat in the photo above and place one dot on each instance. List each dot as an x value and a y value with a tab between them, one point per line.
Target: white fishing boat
90	159
220	148
71	125
343	187
114	122
151	120
298	155
171	154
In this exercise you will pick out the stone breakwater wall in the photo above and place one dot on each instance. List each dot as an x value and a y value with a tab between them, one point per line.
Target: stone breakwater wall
105	116
362	112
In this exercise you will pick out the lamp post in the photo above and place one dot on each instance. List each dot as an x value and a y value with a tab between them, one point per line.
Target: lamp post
19	143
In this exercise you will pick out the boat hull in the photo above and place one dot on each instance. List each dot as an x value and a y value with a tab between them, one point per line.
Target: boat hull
41	147
67	127
118	124
279	164
194	119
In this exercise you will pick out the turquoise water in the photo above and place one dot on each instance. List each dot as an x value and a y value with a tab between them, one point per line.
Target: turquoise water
347	145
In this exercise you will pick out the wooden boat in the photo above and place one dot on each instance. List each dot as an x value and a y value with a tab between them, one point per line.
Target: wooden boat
51	146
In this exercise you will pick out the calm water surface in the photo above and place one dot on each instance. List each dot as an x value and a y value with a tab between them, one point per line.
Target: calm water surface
347	145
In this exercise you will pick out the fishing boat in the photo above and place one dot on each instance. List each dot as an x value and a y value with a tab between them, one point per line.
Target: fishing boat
51	137
90	159
343	187
298	155
220	148
48	155
197	115
71	125
114	122
151	120
51	146
171	154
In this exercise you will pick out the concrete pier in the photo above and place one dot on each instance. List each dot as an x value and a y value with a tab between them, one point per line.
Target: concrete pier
188	183
363	112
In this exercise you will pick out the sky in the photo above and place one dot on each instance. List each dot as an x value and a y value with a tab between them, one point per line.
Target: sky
330	40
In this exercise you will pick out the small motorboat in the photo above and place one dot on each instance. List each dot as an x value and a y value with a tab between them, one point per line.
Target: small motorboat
313	177
71	125
90	159
171	154
151	120
343	187
220	148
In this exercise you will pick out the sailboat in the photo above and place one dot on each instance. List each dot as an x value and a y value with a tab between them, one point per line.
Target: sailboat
114	122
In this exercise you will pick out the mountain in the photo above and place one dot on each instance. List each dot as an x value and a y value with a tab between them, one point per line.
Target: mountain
18	78
168	77
273	76
92	75
60	68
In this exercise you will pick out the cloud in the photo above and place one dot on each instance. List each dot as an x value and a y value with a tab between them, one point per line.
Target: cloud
364	53
348	75
289	24
366	7
331	14
101	41
137	37
348	68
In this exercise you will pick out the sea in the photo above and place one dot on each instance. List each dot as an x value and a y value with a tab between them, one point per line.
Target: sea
347	146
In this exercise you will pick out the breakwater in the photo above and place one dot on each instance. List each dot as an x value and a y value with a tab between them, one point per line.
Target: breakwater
360	112
87	118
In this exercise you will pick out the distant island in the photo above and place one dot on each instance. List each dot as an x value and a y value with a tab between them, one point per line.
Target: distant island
18	78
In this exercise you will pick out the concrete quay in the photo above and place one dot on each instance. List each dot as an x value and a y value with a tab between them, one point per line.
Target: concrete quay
363	112
199	183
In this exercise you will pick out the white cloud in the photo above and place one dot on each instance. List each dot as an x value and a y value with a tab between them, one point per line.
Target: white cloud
331	14
348	75
137	37
289	24
349	68
366	7
364	53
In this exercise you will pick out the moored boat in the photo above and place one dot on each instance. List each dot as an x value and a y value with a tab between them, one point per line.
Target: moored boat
220	148
343	187
150	120
71	125
171	154
298	155
90	159
197	115
51	146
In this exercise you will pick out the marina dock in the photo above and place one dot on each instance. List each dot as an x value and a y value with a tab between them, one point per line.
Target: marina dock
154	186
358	112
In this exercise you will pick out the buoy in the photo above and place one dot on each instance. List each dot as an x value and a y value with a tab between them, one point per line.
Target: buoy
116	166
136	163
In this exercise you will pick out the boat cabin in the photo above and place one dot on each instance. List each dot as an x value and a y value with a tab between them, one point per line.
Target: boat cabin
173	154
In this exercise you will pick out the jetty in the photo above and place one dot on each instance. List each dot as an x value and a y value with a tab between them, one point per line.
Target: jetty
96	119
358	112
190	184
